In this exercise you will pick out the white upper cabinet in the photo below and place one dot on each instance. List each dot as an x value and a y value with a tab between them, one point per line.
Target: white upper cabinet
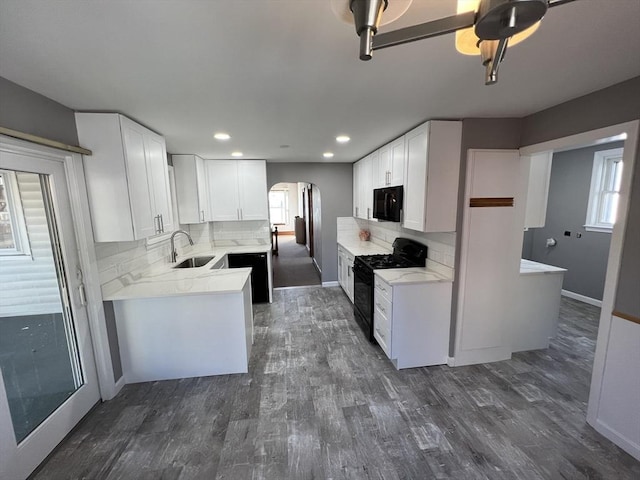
127	178
252	182
538	190
363	186
191	189
432	176
237	189
389	170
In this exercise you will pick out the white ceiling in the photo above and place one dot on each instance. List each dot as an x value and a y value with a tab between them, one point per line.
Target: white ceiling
286	72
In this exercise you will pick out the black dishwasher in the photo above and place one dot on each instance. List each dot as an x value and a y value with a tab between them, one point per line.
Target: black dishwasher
259	273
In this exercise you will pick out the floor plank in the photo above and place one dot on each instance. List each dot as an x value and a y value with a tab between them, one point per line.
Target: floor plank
320	402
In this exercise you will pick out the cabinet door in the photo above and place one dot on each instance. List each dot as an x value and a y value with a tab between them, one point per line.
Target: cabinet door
349	280
416	178
222	181
396	162
191	186
538	190
252	178
382	167
158	175
143	213
365	209
204	213
356	189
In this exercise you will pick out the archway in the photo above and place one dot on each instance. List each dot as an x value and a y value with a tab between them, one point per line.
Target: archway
294	211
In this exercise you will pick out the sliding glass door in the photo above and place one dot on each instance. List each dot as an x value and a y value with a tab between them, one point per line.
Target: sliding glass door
46	362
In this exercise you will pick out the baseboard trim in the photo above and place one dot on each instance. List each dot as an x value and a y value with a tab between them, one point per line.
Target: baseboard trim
330	284
582	298
624	443
297	286
119	384
317	266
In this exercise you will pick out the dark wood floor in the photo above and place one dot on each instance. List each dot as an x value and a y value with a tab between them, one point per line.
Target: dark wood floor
322	403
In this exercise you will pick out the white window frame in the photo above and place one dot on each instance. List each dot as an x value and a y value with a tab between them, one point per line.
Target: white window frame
603	160
18	225
285	206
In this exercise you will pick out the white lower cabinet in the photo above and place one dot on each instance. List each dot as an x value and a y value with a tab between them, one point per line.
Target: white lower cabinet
345	272
411	322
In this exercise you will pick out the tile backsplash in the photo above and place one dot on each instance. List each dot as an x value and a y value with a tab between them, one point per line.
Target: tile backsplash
119	260
441	245
256	232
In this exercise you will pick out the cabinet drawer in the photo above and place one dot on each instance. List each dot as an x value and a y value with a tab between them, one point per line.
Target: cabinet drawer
382	332
382	288
382	304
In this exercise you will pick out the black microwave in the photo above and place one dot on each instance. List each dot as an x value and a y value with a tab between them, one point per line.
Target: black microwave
387	203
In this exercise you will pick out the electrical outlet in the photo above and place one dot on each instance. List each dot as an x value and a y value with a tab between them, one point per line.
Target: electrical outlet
578	235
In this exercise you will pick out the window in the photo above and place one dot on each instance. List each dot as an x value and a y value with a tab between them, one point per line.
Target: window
13	231
279	206
604	195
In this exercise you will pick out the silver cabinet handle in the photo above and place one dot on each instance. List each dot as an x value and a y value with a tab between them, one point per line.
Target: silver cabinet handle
356	212
241	215
368	213
202	213
161	223
156	223
381	307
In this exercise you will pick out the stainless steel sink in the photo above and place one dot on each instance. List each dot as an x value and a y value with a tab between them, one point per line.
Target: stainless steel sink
194	262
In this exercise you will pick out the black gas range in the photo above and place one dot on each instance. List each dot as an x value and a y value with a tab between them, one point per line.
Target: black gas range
406	253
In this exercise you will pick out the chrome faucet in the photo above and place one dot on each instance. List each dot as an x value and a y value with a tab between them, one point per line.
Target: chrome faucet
174	254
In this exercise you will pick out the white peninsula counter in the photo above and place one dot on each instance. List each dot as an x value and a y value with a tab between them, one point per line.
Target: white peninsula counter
179	323
537	306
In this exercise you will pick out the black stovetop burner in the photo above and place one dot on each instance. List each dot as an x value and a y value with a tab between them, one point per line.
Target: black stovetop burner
406	253
376	262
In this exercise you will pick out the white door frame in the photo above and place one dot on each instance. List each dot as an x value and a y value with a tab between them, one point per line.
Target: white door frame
594	137
20	459
74	169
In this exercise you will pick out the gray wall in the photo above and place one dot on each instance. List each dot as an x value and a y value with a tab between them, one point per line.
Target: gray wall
617	104
584	257
29	112
335	181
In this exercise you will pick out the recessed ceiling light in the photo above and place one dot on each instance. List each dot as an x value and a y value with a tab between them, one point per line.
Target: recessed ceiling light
221	136
327	155
236	154
342	139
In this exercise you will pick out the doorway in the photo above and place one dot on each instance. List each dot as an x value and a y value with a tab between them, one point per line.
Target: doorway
294	210
48	379
612	398
574	230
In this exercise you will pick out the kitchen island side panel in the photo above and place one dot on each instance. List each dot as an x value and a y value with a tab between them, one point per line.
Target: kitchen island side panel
181	337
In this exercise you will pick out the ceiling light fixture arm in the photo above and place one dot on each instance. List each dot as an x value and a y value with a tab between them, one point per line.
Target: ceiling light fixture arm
424	30
494	23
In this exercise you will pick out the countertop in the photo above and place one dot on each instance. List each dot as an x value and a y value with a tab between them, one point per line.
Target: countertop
164	280
527	267
357	247
400	276
396	276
